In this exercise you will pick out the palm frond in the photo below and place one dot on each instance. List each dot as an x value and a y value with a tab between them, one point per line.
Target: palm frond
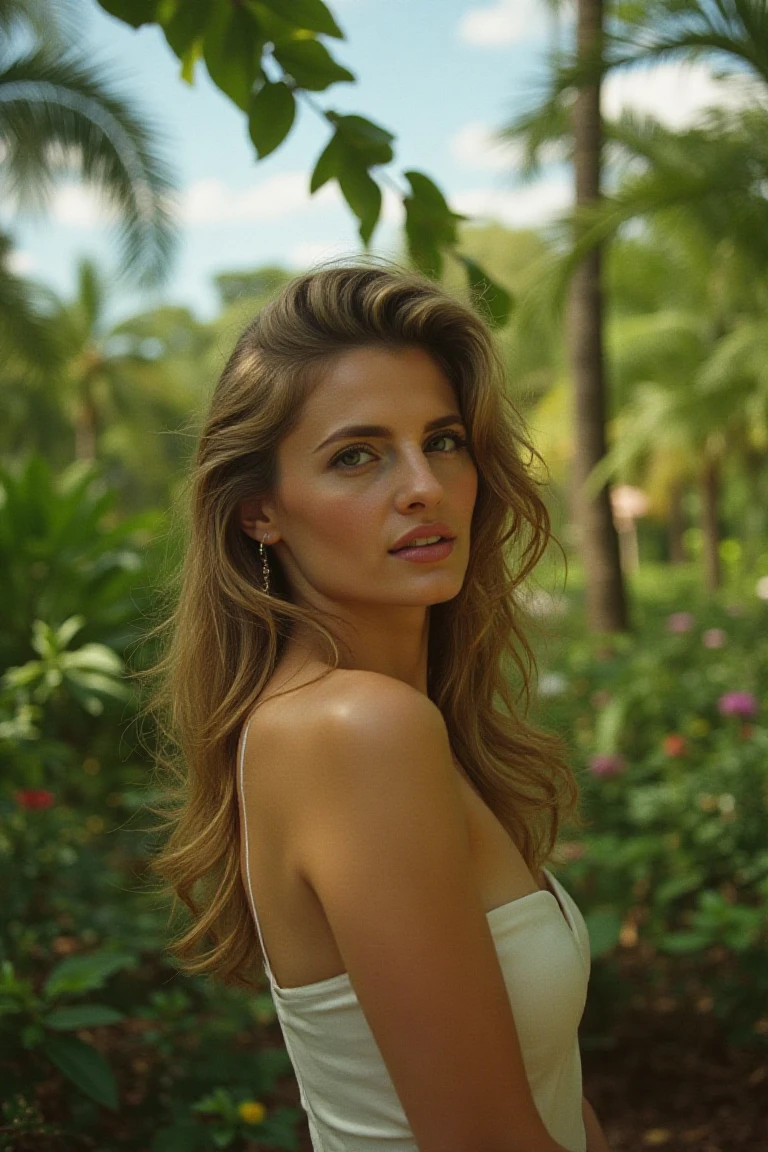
25	330
52	22
67	104
733	31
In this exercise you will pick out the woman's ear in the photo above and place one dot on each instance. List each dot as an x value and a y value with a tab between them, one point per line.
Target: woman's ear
251	518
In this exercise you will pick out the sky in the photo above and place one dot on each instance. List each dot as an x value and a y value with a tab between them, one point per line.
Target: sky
441	75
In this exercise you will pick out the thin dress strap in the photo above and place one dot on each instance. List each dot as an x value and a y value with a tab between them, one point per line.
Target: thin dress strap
243	738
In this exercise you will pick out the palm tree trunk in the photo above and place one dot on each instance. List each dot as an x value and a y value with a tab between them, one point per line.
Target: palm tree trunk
599	545
85	426
676	525
710	493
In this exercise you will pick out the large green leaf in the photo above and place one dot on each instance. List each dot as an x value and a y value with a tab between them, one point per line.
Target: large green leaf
84	1066
133	12
430	225
312	15
371	142
84	973
328	163
356	145
232	52
272	113
310	64
74	1016
186	25
492	300
362	193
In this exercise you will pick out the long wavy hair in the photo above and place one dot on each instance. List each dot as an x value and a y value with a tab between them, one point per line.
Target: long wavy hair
224	635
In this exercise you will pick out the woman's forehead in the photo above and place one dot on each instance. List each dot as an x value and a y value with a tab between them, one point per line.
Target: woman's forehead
371	383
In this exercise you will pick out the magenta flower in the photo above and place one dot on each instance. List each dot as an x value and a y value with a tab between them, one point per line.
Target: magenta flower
737	704
610	765
680	622
714	638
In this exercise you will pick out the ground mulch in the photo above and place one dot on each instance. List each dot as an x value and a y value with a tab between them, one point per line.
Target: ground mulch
671	1081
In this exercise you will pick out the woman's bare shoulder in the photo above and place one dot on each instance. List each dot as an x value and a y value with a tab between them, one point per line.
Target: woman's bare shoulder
293	717
303	700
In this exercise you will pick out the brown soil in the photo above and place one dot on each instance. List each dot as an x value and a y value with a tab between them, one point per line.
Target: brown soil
671	1081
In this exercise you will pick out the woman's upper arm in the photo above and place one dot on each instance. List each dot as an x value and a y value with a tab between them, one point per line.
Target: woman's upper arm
382	840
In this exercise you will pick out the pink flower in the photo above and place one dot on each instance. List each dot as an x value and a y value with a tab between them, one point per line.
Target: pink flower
714	638
33	798
737	704
680	622
610	765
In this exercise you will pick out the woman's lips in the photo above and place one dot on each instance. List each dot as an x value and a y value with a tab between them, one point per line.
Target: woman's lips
425	553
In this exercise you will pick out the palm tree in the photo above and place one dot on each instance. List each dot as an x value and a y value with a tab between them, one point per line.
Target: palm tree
722	168
59	114
692	371
605	596
115	394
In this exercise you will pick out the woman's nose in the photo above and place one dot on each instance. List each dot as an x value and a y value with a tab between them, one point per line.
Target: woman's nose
417	478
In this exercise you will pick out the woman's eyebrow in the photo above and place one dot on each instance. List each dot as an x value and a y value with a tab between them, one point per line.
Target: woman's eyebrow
382	430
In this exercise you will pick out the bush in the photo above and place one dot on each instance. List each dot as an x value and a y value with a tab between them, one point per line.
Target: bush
667	728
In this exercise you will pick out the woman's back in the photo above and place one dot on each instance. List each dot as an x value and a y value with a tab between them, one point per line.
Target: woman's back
372	862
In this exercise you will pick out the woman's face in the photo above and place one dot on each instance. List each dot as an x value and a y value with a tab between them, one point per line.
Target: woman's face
344	499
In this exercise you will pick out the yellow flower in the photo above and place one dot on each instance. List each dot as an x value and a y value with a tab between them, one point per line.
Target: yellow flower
252	1112
698	726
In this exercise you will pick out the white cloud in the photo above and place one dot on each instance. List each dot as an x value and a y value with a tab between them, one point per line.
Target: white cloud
523	207
80	206
674	93
504	22
314	252
284	194
392	209
475	146
19	262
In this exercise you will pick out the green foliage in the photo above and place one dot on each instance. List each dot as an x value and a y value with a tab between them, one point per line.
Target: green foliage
87	1017
354	148
491	299
256	285
36	1019
675	792
59	552
89	674
264	55
271	115
52	104
92	1014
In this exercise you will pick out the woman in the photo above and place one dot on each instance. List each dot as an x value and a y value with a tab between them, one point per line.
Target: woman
354	801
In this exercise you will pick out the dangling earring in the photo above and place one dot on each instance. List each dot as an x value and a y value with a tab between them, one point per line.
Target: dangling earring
264	565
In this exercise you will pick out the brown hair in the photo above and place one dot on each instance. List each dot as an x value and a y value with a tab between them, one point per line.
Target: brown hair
225	635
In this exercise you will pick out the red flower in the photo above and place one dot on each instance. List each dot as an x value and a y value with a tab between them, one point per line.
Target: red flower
33	798
674	745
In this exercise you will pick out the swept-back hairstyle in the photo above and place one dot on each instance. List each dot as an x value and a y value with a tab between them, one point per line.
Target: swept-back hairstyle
225	635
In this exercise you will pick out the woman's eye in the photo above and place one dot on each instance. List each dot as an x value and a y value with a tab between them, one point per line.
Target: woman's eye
459	441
